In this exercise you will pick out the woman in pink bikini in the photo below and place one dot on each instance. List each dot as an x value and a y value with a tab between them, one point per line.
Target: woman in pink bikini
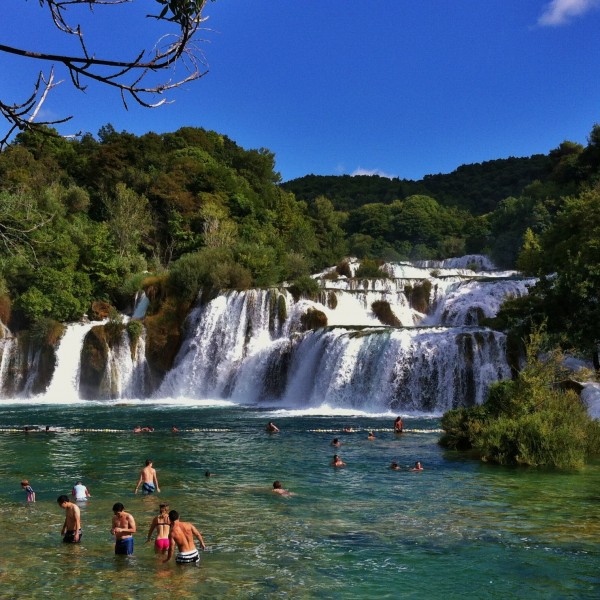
162	525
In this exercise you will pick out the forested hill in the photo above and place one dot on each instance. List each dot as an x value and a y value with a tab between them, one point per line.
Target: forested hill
477	188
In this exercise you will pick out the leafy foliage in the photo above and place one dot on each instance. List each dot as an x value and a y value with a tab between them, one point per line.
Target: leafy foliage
532	420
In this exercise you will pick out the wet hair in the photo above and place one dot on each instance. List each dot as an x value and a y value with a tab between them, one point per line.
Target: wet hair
207	473
277	485
161	506
173	515
335	440
148	462
118	507
62	499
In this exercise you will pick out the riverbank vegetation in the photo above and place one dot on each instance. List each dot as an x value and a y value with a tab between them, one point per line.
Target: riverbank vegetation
535	419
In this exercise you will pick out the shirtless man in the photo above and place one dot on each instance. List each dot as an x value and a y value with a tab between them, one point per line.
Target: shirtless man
147	479
71	530
161	523
183	534
337	461
271	427
123	528
278	489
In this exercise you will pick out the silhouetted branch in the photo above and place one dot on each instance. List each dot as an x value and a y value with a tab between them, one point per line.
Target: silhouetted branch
128	76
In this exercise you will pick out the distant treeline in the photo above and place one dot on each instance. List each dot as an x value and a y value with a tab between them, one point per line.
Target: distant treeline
476	188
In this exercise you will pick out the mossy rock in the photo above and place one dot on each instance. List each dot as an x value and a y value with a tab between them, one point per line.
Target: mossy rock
313	319
164	336
384	313
94	357
99	310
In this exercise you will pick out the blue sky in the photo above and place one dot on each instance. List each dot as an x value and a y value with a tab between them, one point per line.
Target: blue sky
401	88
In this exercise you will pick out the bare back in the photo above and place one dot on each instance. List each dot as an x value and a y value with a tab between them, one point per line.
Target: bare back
183	535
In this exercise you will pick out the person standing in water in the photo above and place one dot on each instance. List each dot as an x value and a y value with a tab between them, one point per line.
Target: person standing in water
398	425
162	524
80	492
271	427
183	534
123	528
30	494
71	529
148	479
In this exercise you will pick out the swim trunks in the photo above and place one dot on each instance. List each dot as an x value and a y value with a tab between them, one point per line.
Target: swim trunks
161	544
148	488
185	558
124	546
70	537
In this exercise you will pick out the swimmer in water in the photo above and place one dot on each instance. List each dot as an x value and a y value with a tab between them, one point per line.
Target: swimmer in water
337	461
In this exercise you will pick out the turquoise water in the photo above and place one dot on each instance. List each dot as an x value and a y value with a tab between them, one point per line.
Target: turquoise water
459	529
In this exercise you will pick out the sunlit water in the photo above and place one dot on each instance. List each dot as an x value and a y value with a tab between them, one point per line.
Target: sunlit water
458	529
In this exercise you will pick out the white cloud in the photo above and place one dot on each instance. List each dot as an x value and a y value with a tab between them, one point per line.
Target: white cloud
558	12
361	171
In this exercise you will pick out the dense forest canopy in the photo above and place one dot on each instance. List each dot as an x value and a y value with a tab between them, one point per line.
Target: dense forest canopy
88	219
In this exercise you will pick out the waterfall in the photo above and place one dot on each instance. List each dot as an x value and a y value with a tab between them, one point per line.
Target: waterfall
64	386
126	372
409	342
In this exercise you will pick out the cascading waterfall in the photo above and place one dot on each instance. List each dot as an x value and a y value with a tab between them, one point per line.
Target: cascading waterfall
64	386
355	362
253	347
126	371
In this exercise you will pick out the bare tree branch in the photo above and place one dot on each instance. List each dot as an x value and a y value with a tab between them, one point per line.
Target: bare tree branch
128	76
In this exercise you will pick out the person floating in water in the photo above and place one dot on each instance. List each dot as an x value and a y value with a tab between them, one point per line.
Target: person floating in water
418	466
30	494
183	534
395	466
398	425
371	436
137	429
337	461
123	528
71	529
278	489
348	430
80	492
174	429
148	479
209	474
162	524
336	443
271	427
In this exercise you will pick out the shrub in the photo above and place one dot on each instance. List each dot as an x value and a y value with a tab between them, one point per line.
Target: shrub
530	420
370	268
305	287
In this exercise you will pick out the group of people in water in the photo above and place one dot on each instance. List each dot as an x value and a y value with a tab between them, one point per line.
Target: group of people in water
170	531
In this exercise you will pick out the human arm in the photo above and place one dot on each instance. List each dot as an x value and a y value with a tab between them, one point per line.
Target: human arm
152	528
77	515
155	481
199	536
140	481
171	546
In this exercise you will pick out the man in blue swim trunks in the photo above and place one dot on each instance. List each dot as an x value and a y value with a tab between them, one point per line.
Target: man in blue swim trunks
148	479
123	528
